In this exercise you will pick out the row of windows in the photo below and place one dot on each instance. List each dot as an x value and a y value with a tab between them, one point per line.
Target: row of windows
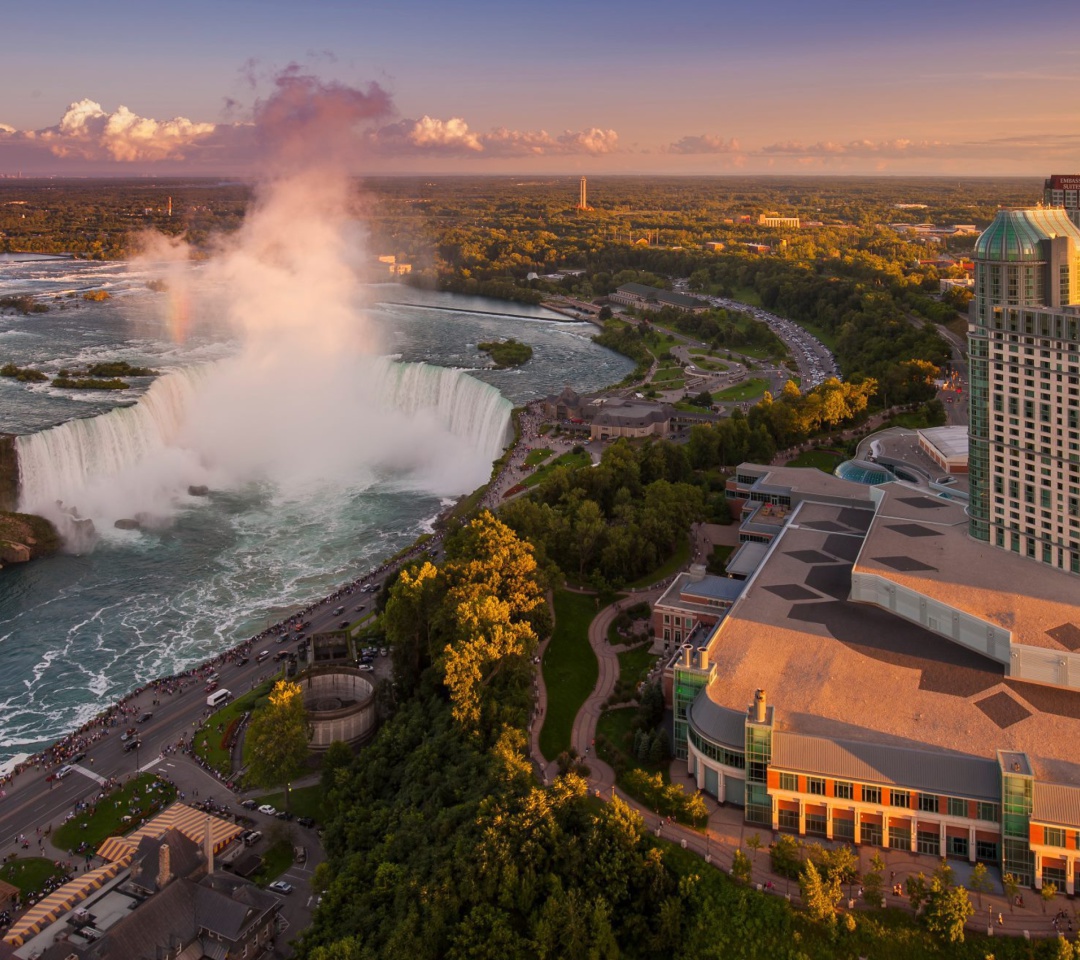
1055	837
899	837
925	802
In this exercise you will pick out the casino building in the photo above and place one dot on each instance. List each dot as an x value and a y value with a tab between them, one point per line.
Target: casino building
1024	348
883	678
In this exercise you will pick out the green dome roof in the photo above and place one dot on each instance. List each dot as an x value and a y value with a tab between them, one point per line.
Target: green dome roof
1015	234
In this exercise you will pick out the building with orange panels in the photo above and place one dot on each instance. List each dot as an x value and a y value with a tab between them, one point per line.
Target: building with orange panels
886	679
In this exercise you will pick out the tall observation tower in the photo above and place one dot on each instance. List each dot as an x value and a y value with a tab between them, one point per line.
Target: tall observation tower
582	204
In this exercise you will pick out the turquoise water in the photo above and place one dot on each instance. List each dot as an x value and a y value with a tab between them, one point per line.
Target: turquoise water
79	630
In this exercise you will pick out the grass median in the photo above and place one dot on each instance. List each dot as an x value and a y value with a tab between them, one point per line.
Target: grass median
748	390
570	669
211	742
116	814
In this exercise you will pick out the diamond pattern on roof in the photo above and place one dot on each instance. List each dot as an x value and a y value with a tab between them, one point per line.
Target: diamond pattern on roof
844	546
1068	635
1003	709
856	519
792	591
834	580
829	526
810	556
912	530
922	503
904	564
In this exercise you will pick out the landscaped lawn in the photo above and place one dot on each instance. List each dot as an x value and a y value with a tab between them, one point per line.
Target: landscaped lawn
570	669
634	665
29	874
668	373
825	336
210	740
277	859
675	562
539	455
303	801
711	363
747	390
615	744
821	459
136	801
566	460
747	295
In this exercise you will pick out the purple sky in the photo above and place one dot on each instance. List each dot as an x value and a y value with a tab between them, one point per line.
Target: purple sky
832	86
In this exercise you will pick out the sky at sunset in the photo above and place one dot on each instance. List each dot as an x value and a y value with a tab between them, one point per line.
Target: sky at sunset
122	88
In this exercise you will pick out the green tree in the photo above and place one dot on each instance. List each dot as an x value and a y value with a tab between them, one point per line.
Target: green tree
947	910
872	881
1047	891
916	887
277	738
754	843
1062	949
820	895
1011	886
980	881
741	868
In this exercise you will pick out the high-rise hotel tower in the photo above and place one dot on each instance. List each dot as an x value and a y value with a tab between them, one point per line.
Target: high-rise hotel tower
1024	346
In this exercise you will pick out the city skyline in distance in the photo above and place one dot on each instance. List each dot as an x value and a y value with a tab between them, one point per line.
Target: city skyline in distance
833	88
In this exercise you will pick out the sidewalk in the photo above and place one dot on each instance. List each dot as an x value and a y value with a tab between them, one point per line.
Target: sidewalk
726	831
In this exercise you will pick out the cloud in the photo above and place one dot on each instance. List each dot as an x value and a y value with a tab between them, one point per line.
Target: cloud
86	131
301	113
705	143
432	136
861	148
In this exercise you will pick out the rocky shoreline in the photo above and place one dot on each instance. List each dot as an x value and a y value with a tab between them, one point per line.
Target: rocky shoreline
61	750
25	537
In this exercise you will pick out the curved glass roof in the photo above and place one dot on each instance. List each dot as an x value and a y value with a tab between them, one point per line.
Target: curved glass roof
1015	234
860	471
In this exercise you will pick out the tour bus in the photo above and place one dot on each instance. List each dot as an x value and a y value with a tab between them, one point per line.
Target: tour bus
218	697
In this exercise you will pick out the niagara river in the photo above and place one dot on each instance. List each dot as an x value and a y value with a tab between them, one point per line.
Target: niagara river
302	497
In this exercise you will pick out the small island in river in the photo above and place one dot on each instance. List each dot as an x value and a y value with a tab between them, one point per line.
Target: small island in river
506	353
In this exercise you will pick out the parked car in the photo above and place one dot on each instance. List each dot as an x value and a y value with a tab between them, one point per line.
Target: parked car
268	810
283	815
300	854
305	821
281	886
252	837
344	624
366	668
249	804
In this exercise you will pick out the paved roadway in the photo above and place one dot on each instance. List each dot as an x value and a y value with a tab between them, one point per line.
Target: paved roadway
36	799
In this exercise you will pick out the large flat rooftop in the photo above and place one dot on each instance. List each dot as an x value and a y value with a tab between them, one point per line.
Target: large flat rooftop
921	542
849	671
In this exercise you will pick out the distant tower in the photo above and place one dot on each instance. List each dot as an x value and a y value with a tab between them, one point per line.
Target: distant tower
168	208
582	204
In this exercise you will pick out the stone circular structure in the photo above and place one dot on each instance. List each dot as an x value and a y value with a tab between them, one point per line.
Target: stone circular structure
340	702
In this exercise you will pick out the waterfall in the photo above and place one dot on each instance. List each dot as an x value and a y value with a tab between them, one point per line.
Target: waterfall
468	408
58	463
184	430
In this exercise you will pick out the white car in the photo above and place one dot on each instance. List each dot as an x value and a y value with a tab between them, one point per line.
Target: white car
268	810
